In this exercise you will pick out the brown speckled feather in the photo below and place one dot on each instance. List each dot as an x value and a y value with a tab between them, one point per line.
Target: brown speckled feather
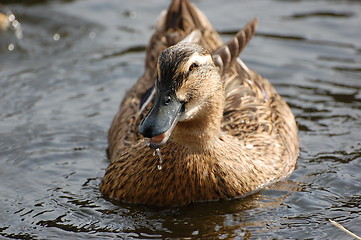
243	138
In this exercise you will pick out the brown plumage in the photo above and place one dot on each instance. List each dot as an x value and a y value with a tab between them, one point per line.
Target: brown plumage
221	129
4	21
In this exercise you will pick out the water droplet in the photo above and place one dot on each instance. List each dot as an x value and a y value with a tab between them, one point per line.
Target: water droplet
15	23
11	47
159	155
159	166
11	17
56	37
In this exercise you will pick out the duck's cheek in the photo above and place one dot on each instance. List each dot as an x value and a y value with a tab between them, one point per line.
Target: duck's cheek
191	110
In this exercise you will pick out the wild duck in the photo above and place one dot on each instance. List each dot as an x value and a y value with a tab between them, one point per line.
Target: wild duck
199	125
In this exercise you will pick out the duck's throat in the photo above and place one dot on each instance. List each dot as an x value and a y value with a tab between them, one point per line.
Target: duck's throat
201	129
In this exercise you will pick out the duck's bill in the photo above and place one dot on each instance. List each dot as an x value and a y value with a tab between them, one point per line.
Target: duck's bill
159	140
161	120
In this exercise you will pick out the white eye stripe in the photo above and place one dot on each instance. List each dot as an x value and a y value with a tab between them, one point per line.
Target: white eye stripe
196	58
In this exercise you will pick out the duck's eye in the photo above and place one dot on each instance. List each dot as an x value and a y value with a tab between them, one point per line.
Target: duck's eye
193	66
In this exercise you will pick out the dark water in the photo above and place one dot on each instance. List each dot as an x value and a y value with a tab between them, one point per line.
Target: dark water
62	84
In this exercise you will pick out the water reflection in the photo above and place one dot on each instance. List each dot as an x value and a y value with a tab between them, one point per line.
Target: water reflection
229	219
317	14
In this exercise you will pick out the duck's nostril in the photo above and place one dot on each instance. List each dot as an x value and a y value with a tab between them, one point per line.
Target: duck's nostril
145	129
167	100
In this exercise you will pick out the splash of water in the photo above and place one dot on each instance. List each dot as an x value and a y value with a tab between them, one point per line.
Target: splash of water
9	21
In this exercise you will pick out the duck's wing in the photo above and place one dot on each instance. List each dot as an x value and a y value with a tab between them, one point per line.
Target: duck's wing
233	71
254	112
182	20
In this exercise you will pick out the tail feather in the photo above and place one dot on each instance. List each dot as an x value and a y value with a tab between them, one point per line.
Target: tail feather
172	19
183	15
225	55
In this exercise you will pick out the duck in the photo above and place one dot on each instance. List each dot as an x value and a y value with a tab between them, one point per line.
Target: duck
198	125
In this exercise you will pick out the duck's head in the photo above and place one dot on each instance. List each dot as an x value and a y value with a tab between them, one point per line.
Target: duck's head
186	78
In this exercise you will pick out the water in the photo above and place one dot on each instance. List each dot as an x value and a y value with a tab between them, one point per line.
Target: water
160	160
63	82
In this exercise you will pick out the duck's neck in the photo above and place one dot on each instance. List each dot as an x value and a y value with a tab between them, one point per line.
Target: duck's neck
200	131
